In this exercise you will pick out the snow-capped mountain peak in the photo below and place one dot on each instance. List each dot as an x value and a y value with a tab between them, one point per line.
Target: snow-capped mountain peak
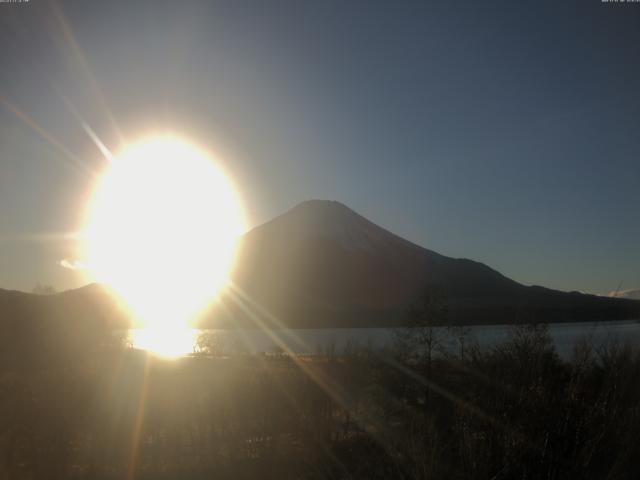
334	221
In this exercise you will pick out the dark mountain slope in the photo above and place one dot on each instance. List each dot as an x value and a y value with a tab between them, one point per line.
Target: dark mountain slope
322	264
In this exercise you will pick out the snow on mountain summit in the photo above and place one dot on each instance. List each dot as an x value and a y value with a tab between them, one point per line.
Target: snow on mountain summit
332	220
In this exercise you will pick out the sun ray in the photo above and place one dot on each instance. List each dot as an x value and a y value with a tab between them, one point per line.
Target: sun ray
138	421
106	153
326	383
86	69
74	162
332	388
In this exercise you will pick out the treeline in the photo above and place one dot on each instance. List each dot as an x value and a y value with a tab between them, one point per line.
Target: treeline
84	405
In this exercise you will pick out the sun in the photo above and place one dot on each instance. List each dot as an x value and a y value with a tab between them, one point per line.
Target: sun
161	232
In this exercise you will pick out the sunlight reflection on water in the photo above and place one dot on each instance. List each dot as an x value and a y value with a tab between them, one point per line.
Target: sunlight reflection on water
165	342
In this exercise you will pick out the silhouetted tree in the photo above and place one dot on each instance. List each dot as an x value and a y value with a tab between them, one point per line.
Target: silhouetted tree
422	337
460	334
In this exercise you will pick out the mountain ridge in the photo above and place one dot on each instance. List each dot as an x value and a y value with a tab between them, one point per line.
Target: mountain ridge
321	264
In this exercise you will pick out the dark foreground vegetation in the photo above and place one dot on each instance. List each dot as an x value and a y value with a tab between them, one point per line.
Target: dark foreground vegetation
76	406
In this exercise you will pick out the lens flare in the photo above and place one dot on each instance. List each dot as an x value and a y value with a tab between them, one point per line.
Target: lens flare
161	232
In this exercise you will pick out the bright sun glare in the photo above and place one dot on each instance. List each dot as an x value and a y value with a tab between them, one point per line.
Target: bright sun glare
161	232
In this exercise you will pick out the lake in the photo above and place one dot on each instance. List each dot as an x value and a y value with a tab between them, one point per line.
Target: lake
315	341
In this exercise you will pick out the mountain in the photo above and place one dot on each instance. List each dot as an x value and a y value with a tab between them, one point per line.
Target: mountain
322	264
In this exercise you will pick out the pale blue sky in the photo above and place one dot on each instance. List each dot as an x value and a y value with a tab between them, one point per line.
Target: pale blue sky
498	131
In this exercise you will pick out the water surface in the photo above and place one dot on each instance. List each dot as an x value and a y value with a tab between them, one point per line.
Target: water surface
337	340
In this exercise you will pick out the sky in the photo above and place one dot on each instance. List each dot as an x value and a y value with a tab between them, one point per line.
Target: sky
505	132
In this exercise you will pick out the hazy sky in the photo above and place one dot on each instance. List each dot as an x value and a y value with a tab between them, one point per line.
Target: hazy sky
498	131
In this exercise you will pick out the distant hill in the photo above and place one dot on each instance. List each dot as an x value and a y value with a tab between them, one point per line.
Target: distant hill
36	330
322	265
90	304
